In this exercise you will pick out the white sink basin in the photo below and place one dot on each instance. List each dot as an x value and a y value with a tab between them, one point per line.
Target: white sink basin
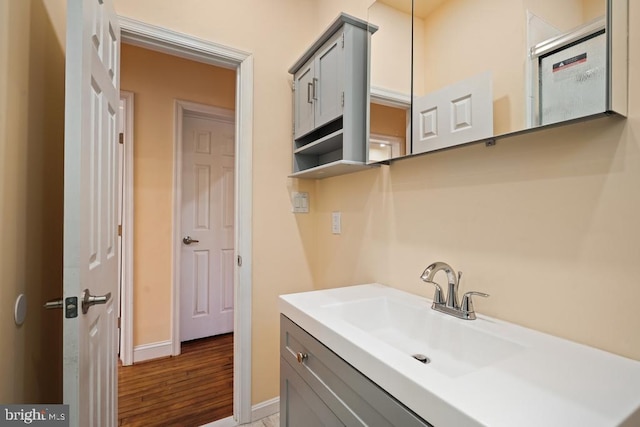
483	372
453	347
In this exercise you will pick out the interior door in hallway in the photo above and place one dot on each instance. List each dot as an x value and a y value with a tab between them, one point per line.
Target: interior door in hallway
208	255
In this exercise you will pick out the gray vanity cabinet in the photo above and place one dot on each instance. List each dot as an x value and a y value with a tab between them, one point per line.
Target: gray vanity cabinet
318	388
331	86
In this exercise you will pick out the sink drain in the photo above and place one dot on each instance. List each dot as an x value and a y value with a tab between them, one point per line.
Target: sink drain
421	358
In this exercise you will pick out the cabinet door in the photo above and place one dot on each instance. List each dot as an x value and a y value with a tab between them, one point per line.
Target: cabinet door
303	100
329	82
299	405
350	396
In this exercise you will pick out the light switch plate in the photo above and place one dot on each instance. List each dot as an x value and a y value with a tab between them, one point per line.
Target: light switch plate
300	202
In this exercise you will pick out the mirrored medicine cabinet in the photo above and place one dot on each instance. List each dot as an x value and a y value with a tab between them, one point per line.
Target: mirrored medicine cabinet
453	72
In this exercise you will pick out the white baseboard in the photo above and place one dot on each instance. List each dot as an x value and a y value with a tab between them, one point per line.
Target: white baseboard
258	412
154	350
264	409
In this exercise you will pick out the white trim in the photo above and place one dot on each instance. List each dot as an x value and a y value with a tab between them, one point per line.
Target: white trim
244	243
265	409
182	45
394	141
178	118
126	314
182	109
389	98
155	350
164	40
258	412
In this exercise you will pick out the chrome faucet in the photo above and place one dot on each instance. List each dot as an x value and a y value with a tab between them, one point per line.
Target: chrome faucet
452	295
450	306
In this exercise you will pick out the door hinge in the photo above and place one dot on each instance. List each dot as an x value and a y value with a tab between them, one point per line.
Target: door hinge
343	99
293	86
120	230
119	322
239	261
343	40
121	138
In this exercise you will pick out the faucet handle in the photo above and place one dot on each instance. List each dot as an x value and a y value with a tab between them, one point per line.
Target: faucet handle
438	298
467	303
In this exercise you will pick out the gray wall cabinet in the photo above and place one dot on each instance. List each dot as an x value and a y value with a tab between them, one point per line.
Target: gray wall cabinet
331	95
318	388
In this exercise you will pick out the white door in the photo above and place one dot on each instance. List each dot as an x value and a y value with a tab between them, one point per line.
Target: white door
90	229
458	113
208	171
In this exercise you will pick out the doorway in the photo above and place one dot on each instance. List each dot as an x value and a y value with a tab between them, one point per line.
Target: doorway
207	197
162	40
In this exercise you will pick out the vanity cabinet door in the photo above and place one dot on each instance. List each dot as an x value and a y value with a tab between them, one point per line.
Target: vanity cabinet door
350	396
299	405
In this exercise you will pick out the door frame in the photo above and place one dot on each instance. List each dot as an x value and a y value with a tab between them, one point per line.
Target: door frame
178	44
126	248
182	109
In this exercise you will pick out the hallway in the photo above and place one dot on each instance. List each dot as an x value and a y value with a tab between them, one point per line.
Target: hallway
192	389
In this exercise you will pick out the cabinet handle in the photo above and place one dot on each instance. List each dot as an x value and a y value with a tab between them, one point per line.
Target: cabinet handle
315	88
309	86
301	357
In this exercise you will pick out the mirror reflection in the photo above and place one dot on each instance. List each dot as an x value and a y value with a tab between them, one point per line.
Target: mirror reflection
390	114
498	66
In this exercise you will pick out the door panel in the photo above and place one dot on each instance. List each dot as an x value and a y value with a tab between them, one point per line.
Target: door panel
329	74
304	103
458	113
90	228
208	173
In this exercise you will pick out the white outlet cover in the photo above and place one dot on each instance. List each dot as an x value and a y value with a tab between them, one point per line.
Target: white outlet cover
336	222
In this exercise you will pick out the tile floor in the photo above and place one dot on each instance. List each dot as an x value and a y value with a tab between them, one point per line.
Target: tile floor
271	421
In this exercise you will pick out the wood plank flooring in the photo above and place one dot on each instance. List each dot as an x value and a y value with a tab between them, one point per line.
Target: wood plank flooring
192	389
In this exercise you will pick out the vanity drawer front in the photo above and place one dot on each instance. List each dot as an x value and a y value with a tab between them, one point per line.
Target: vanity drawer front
352	397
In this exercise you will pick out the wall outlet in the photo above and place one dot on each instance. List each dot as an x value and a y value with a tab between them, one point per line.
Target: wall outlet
336	222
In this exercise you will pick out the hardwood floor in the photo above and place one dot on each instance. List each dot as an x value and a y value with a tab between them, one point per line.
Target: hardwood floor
192	389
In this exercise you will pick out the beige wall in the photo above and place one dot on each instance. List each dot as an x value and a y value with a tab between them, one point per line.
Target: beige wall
546	223
390	49
593	9
31	160
157	80
387	120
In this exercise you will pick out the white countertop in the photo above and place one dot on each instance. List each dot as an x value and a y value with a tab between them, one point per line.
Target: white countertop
527	378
